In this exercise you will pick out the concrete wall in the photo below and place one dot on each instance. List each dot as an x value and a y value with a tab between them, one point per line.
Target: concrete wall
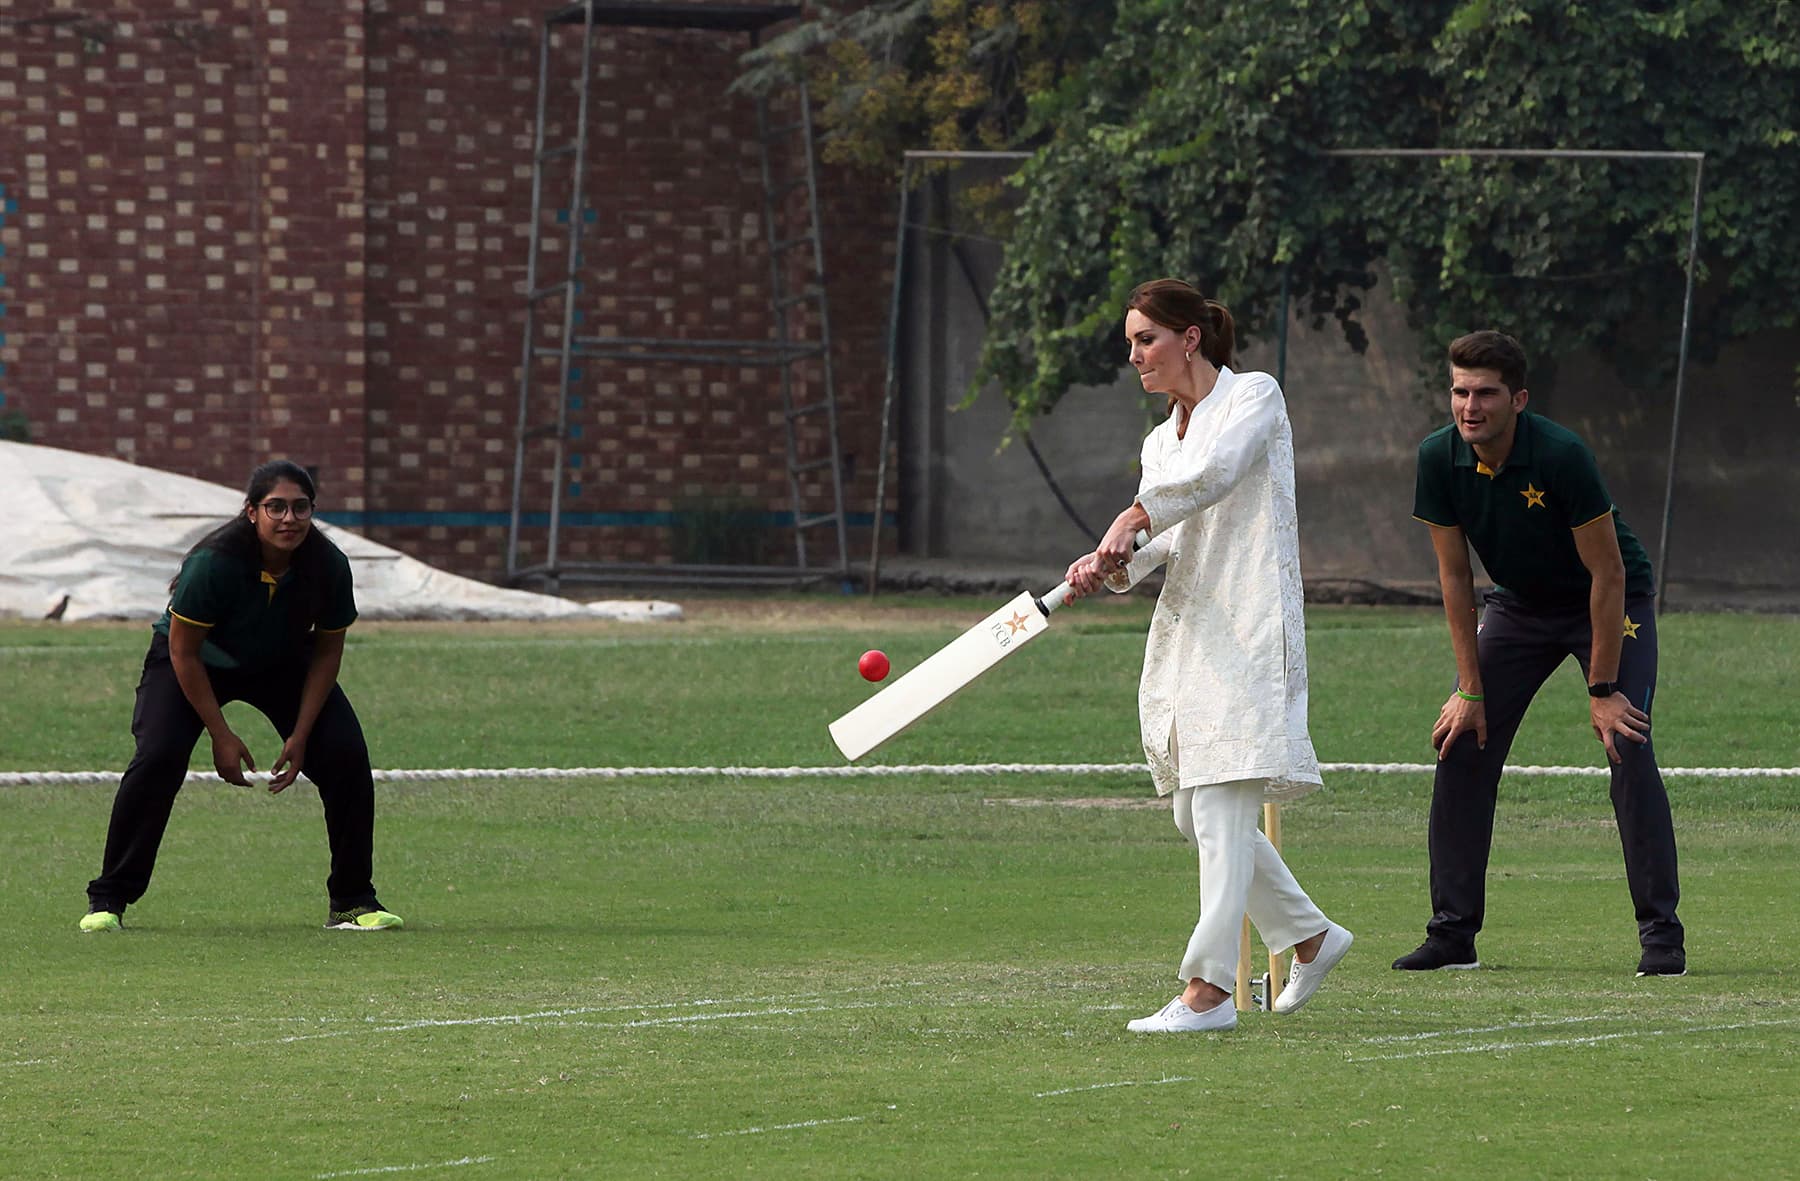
1734	538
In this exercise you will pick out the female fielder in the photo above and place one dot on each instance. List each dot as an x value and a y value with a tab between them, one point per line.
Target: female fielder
257	614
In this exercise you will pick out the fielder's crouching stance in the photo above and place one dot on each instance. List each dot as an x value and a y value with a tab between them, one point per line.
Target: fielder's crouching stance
1222	701
1571	579
257	614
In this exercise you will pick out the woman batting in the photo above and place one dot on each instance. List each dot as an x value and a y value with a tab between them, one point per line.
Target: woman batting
1222	700
257	614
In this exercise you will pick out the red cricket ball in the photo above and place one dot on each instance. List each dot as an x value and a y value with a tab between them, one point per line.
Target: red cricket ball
873	665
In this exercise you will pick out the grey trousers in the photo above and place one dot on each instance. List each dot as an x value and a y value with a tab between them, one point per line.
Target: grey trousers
1519	647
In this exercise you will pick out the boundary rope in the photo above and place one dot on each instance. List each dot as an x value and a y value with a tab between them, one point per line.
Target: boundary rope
454	774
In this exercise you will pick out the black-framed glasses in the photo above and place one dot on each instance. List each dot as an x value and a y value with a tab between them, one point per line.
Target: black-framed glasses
298	509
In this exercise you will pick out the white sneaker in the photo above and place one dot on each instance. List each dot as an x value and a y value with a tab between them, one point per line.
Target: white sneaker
1176	1017
1305	979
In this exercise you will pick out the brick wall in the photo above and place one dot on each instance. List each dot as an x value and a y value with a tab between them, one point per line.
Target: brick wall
130	158
237	229
309	224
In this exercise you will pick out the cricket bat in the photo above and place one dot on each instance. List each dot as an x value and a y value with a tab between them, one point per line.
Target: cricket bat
937	679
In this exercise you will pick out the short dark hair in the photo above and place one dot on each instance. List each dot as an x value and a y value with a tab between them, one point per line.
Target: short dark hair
1488	349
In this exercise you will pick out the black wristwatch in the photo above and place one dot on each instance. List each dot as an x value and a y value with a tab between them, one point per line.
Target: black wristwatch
1603	688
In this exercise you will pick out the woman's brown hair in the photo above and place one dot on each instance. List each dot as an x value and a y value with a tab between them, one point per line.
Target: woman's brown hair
1175	305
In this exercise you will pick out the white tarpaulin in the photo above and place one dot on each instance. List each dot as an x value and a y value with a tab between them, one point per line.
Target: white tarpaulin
107	536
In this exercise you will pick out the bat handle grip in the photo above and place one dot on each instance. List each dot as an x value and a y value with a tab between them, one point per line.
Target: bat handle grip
1119	580
1058	595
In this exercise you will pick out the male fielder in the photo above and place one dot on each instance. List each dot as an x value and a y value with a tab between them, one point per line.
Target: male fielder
1570	579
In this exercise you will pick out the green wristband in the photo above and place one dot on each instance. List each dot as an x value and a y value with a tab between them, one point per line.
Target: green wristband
1469	696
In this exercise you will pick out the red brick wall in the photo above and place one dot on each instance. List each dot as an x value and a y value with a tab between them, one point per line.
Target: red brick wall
272	227
131	157
308	218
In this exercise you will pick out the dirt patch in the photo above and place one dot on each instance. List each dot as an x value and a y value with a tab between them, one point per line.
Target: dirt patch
890	612
849	612
1114	803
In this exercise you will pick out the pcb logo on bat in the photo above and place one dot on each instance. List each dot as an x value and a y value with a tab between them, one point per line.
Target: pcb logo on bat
1004	630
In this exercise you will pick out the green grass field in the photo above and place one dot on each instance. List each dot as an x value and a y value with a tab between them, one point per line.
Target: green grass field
906	976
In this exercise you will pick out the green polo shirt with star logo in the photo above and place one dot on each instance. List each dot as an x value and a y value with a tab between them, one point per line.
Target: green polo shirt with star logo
1520	519
249	614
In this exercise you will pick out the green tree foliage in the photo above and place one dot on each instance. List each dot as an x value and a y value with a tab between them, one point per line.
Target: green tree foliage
939	74
1184	137
1190	146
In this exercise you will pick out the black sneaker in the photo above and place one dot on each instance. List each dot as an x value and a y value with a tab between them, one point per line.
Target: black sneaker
1430	956
1663	961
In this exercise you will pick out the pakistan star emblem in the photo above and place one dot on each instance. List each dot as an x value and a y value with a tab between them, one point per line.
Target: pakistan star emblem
1018	624
1534	497
1631	629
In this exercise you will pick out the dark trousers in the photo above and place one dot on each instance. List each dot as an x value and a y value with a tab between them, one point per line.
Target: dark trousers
166	728
1518	650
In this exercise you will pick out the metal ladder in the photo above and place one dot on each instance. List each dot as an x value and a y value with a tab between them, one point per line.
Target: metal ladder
801	347
575	153
815	475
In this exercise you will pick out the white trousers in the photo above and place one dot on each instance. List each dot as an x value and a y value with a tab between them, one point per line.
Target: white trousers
1240	872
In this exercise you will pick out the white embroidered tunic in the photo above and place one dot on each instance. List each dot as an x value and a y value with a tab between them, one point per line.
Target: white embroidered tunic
1225	663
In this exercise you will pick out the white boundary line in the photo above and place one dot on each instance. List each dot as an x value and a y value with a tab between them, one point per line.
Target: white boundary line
369	1025
648	1022
1591	1039
1419	1037
1154	1082
805	1123
461	774
1478	1048
448	1164
562	1019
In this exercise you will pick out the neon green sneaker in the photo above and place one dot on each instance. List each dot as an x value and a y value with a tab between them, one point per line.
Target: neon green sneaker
363	918
100	920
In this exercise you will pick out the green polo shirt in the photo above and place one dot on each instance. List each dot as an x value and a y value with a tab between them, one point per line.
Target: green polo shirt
1519	519
249	613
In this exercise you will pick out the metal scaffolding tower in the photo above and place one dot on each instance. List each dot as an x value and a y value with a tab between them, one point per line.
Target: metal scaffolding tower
800	347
